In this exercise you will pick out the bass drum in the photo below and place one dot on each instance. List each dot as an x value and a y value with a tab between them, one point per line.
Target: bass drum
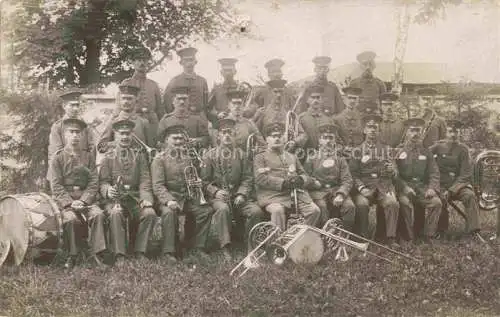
30	226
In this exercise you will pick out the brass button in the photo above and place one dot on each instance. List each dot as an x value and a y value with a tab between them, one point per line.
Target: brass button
127	187
328	186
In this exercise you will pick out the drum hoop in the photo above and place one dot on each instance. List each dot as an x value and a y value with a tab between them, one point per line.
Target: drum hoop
58	216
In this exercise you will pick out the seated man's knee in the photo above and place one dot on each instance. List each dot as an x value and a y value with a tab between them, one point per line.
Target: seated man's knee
404	201
147	213
348	205
390	202
467	195
277	209
434	202
361	201
166	211
255	212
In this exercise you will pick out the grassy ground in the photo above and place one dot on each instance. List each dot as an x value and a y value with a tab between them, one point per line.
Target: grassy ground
458	278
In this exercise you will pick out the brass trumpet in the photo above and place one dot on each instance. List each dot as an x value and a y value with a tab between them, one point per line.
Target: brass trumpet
194	184
251	146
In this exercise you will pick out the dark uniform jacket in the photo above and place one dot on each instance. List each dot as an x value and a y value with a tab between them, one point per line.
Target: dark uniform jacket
454	164
310	121
332	98
436	131
368	168
195	126
265	97
392	133
167	174
226	169
372	88
350	123
270	170
140	130
417	169
73	177
198	95
133	169
149	97
332	172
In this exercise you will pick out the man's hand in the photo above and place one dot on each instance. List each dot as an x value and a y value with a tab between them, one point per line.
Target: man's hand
222	195
239	200
338	200
146	204
317	184
78	205
409	192
430	193
290	146
173	205
112	192
366	192
446	195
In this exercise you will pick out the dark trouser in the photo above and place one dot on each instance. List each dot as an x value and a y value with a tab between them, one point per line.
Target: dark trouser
310	211
467	197
346	212
170	225
386	204
419	208
118	230
247	216
74	231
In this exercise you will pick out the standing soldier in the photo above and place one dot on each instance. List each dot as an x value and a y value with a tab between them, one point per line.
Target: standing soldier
435	126
393	114
373	171
149	104
128	99
229	180
170	186
455	170
333	102
277	174
218	101
125	185
243	127
195	127
198	87
74	184
418	182
372	87
275	112
72	109
332	180
350	121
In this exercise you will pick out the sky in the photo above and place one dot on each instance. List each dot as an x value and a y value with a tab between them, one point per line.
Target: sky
468	39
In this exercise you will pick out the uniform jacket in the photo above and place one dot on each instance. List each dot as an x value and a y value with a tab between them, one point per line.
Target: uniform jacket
310	122
217	100
140	130
133	168
417	169
242	129
372	88
392	132
227	168
436	132
73	177
167	174
454	165
149	95
265	97
270	170
350	125
368	168
332	172
195	126
265	116
57	142
332	97
198	96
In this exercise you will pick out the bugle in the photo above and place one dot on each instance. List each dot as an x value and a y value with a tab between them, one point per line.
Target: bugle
194	184
486	179
192	149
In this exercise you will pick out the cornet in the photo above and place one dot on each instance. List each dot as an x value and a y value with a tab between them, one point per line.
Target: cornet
486	179
192	149
194	184
251	146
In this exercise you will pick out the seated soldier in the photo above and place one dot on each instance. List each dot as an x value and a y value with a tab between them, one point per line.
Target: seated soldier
455	170
229	180
74	187
277	174
332	179
373	170
125	185
170	187
417	182
128	100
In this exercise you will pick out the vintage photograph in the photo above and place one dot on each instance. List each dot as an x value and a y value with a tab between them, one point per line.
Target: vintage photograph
249	158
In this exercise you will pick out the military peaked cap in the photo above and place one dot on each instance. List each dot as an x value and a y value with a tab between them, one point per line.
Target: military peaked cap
181	90
453	123
70	95
171	129
274	127
316	89
187	52
389	96
74	122
277	83
328	127
366	56
355	91
322	60
415	122
122	123
371	118
274	63
128	89
227	62
226	123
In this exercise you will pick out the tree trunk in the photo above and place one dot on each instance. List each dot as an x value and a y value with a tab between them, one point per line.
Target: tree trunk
90	73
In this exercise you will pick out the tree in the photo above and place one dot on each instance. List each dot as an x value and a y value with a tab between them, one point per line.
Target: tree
85	42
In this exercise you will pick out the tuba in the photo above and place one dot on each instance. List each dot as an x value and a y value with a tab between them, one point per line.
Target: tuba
245	86
486	179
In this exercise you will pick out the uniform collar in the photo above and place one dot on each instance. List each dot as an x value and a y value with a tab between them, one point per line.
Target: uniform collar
314	113
177	114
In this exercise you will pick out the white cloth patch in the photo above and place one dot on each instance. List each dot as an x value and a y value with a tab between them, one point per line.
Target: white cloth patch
328	163
403	155
365	158
422	157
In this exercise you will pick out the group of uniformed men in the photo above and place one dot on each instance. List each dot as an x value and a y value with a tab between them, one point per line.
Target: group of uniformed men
351	151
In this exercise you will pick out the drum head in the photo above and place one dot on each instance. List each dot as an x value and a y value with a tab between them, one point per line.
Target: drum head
4	250
308	249
14	226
